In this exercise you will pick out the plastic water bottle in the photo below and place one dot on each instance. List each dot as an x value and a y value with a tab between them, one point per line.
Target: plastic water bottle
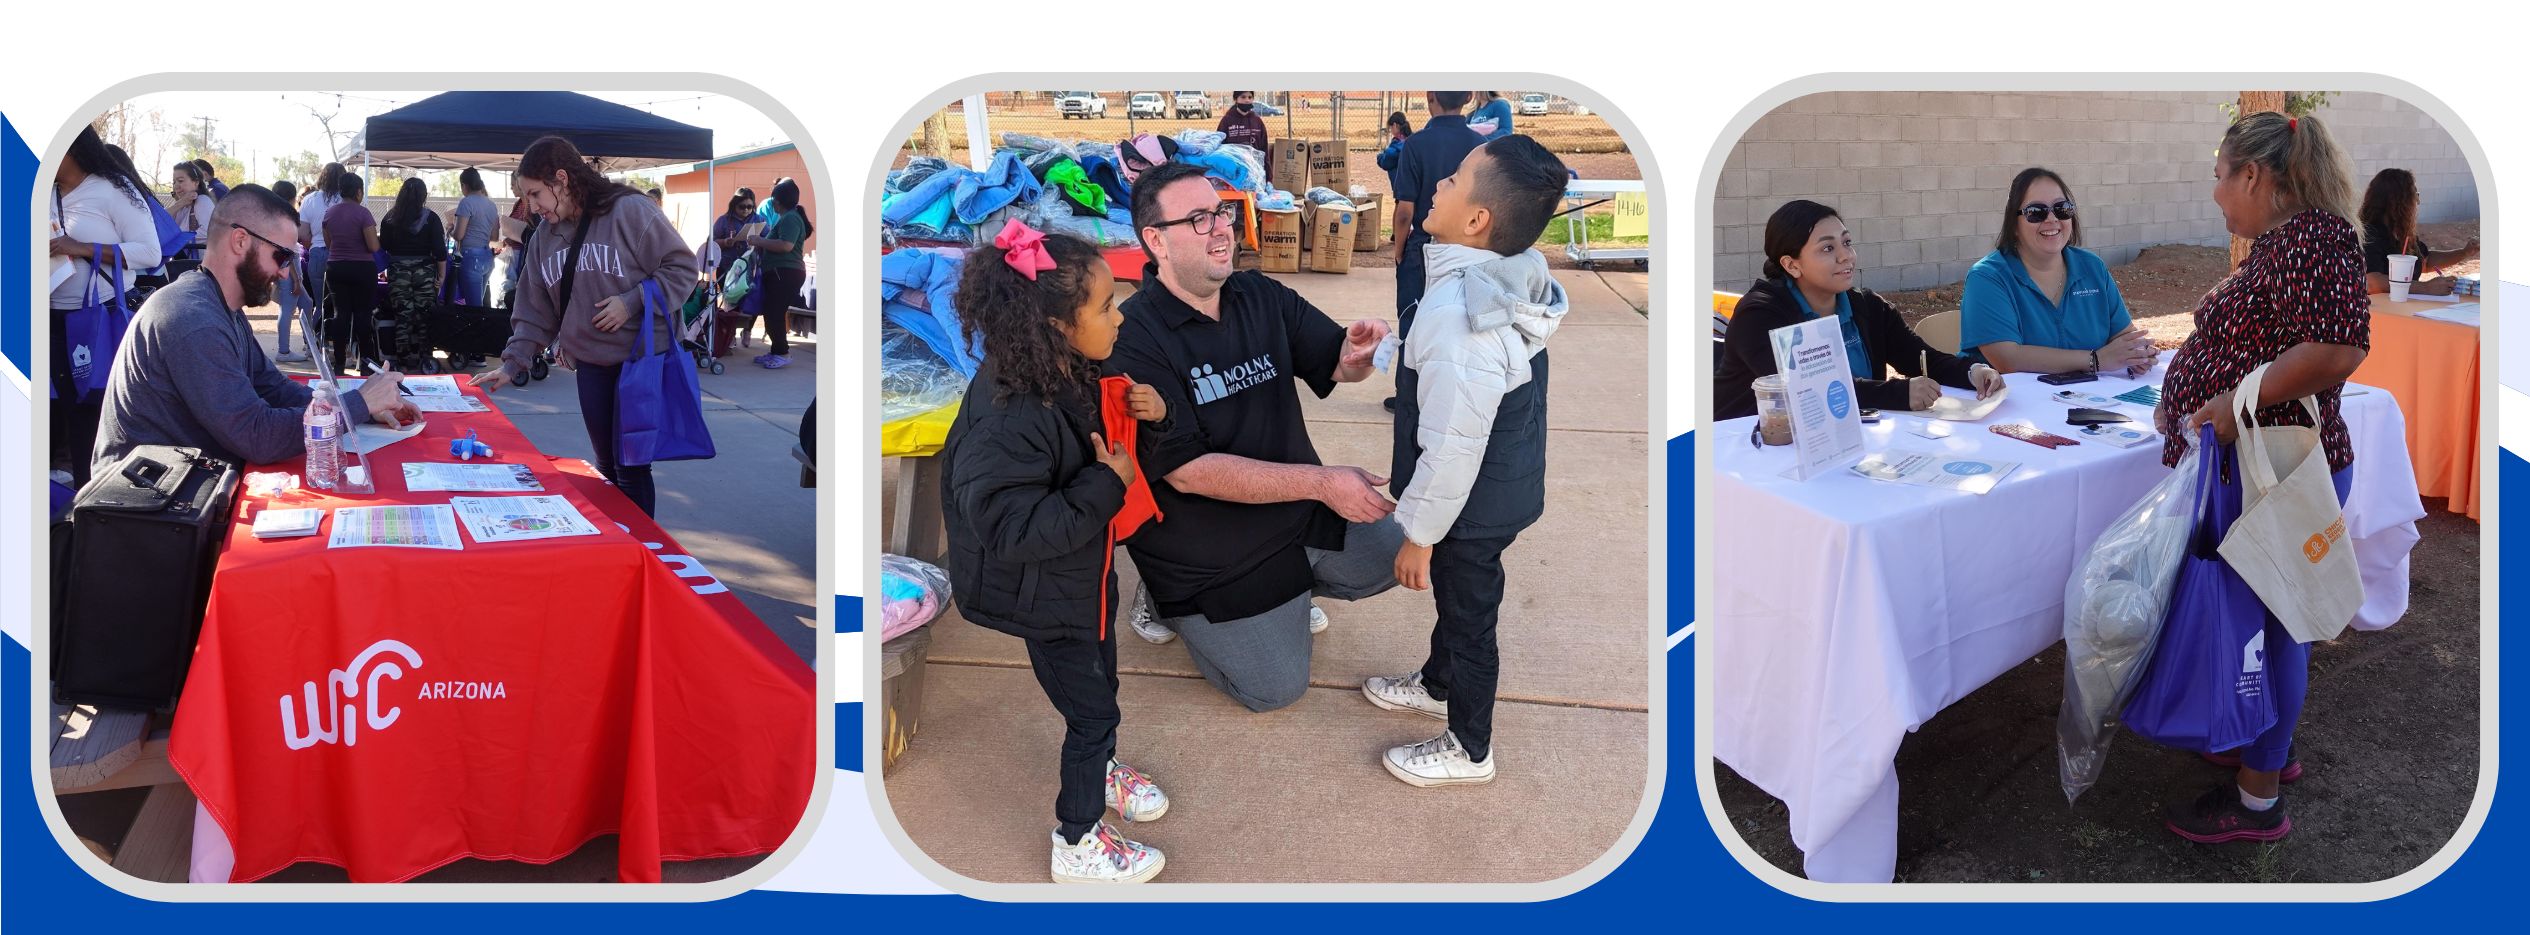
323	423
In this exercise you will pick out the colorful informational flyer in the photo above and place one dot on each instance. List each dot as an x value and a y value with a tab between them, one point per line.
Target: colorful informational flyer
520	519
430	526
1826	417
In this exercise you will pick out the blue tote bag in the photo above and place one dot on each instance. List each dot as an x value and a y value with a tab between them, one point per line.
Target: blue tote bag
658	399
2206	687
95	331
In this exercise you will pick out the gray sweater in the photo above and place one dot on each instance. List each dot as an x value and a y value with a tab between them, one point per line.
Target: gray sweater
630	242
191	374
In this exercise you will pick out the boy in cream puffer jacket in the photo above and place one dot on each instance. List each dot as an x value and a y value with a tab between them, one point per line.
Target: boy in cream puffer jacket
1470	459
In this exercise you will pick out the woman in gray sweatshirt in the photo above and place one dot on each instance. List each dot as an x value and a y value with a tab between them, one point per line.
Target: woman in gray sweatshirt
581	292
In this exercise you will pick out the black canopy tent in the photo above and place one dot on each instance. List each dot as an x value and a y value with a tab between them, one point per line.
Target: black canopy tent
488	130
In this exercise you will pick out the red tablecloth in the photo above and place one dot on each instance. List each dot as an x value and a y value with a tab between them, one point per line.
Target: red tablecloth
508	701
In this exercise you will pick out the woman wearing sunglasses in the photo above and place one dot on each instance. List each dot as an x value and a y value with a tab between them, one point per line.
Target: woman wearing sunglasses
1809	274
2038	303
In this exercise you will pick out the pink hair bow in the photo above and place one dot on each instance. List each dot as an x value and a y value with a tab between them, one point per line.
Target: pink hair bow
1024	249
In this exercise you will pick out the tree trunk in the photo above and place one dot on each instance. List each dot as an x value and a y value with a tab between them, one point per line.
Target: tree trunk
935	137
2254	102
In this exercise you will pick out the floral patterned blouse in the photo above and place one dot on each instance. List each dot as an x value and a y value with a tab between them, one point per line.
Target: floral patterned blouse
2302	281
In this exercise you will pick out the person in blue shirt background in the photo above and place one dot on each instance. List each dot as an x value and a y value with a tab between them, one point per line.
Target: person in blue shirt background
1492	118
2038	303
1398	130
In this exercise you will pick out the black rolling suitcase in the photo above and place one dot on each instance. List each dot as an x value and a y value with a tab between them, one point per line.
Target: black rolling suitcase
131	582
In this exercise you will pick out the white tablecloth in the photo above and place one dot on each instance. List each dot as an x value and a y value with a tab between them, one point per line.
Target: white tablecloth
1848	611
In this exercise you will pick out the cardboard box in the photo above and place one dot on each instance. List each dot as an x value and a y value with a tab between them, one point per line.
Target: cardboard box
1288	165
1328	165
1366	237
1278	240
1333	250
901	664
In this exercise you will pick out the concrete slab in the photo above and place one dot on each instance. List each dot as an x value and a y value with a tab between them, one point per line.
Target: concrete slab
1292	796
1573	627
1632	287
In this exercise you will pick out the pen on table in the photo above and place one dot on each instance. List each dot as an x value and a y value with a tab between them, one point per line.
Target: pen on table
1923	363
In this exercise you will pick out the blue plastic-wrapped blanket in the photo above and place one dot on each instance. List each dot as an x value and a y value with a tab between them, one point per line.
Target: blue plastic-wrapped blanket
933	317
1006	182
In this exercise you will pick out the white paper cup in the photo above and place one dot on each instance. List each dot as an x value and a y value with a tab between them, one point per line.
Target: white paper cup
2402	276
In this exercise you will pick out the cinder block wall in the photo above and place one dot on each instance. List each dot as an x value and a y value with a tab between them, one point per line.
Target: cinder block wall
1921	176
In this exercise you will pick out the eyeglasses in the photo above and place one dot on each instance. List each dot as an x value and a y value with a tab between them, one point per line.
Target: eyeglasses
1204	221
2034	212
281	256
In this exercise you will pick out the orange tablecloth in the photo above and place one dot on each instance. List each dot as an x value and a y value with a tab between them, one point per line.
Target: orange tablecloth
2432	369
390	710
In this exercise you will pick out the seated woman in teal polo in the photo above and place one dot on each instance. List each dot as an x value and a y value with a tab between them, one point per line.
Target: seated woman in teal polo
2039	304
1810	275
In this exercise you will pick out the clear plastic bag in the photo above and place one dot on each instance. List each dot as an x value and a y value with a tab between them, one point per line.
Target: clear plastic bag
1029	142
1052	213
1253	159
2113	608
1323	195
911	593
1199	142
913	379
1277	200
915	171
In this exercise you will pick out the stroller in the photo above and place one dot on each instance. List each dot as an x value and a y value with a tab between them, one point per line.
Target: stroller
694	325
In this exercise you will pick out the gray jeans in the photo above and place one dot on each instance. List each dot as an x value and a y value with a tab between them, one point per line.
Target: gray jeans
1263	661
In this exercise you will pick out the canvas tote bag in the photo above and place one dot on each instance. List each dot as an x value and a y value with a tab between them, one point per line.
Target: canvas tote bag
2290	541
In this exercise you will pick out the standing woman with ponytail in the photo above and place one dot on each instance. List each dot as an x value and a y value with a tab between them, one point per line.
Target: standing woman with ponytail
580	292
2296	305
783	247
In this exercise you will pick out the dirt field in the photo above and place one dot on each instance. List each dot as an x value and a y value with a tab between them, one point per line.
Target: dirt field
2389	739
2164	284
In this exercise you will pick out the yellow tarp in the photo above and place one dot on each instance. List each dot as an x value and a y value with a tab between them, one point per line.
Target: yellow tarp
916	436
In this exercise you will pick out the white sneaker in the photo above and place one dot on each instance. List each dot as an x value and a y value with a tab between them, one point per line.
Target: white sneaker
292	357
1147	625
1133	795
1439	761
1405	693
1103	856
1317	620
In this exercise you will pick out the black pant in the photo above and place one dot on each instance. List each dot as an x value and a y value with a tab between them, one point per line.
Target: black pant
781	291
1079	677
1466	662
352	285
597	412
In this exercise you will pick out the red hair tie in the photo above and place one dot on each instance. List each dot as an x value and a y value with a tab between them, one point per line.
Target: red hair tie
1024	249
2292	124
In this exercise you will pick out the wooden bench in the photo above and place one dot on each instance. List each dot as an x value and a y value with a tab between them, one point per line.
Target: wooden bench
97	750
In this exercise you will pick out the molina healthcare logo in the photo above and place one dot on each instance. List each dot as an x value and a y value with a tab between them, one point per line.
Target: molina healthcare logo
1207	386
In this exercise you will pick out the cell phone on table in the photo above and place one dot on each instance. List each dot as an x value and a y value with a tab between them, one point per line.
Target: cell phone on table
2068	378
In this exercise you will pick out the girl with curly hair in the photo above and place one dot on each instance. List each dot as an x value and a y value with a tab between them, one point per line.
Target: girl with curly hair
1040	483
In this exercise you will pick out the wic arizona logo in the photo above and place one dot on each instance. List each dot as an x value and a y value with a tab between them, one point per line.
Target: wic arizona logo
339	719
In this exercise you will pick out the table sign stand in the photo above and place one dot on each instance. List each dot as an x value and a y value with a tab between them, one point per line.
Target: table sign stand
1826	419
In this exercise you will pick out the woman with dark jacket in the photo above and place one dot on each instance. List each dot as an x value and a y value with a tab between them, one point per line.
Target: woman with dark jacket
1810	274
1035	479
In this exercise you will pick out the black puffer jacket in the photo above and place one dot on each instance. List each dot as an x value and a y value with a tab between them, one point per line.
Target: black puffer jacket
1027	505
1746	355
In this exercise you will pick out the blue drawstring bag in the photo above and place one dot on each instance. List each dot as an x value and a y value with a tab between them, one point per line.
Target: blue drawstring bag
2206	688
658	399
95	330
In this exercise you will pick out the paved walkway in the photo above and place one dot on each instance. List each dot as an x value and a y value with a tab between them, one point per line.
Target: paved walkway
1297	795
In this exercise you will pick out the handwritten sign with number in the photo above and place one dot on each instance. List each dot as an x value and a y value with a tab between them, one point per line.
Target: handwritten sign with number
1633	215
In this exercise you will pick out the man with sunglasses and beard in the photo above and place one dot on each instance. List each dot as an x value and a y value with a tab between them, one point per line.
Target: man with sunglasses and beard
191	372
1252	524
